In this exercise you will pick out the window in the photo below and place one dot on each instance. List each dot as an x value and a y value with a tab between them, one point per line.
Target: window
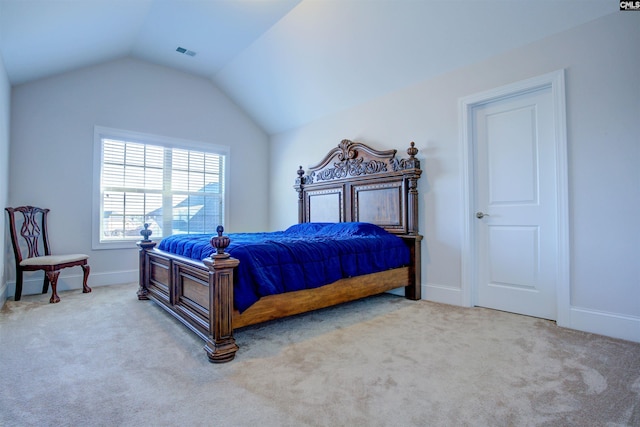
173	186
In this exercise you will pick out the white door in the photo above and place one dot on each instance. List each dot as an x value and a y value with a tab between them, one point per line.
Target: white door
515	196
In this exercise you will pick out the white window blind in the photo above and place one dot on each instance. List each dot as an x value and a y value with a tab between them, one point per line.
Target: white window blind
174	190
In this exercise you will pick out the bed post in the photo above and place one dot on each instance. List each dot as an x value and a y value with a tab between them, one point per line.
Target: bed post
299	186
414	165
414	290
220	345
145	245
413	172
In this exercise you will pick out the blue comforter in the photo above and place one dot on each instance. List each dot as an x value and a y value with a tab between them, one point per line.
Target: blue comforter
304	256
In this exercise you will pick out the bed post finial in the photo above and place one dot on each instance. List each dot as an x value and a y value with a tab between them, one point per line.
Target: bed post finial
412	151
221	243
145	233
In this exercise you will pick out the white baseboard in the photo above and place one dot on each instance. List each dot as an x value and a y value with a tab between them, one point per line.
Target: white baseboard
586	320
436	293
3	293
443	294
33	285
610	324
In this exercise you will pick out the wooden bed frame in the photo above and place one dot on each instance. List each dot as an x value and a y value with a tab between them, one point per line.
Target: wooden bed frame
352	183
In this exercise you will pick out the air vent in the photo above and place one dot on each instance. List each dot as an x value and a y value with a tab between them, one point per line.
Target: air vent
186	51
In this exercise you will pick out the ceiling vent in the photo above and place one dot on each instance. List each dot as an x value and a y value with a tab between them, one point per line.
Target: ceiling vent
186	51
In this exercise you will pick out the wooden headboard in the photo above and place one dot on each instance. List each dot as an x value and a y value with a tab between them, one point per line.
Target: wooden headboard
355	182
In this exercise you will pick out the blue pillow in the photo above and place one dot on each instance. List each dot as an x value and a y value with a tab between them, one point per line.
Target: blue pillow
307	228
352	229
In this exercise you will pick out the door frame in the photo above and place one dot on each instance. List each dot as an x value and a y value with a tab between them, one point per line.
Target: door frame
469	261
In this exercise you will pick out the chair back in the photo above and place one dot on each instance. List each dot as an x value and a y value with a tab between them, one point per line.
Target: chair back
32	240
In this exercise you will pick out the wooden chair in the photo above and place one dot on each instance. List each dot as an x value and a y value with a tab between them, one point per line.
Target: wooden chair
31	242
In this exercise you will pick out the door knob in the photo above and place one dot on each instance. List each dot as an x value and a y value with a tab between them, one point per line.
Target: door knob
481	215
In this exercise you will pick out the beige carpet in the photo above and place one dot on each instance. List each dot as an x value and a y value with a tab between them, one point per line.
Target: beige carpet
107	359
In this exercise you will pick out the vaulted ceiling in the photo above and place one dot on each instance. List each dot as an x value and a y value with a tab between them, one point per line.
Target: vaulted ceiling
285	62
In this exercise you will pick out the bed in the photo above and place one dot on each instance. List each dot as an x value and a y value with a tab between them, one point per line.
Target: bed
354	193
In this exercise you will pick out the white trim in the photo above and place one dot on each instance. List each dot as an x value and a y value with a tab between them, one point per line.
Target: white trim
467	263
563	288
101	132
443	294
4	291
148	138
603	323
555	81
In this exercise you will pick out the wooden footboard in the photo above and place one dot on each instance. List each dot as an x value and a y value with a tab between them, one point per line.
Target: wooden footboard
199	294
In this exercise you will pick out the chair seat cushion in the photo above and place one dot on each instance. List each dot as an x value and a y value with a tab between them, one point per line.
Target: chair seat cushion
53	259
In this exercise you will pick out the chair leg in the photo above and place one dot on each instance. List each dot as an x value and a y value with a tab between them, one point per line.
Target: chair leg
53	278
45	284
85	269
18	293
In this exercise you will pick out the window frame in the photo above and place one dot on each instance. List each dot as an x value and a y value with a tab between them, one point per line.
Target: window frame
101	132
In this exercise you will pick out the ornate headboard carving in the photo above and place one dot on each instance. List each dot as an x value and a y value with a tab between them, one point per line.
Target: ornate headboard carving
355	182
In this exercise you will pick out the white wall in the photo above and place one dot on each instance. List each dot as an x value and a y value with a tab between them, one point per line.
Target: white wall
603	106
52	125
5	101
